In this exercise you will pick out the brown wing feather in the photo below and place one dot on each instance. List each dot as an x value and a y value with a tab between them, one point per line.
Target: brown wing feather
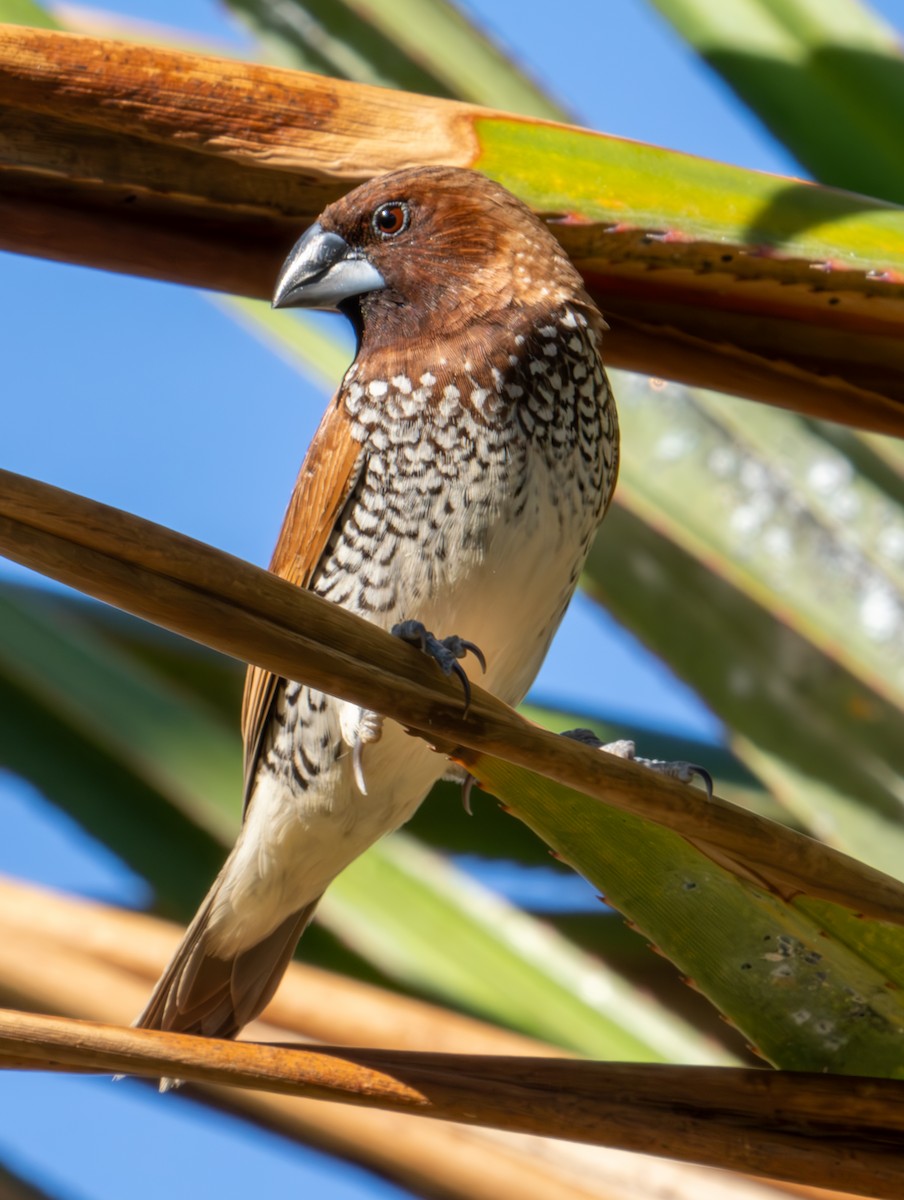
327	477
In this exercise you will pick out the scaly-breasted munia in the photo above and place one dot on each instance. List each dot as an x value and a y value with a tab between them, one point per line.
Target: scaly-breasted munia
456	481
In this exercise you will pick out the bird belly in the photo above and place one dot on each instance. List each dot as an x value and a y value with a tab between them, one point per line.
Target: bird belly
296	840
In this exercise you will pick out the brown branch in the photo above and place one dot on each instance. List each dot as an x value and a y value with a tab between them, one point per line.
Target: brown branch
245	612
63	953
816	1129
91	961
203	171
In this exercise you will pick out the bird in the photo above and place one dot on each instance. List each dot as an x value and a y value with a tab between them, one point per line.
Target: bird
455	484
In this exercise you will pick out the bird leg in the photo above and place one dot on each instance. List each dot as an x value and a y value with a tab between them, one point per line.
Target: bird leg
684	772
444	651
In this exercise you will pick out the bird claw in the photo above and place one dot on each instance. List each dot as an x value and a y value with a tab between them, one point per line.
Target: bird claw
358	764
467	786
445	652
465	780
369	729
684	772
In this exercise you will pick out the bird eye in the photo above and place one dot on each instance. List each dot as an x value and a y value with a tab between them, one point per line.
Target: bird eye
390	219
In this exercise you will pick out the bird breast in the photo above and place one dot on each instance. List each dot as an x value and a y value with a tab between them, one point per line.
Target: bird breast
479	490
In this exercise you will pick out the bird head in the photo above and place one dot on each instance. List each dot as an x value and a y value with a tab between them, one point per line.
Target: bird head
424	252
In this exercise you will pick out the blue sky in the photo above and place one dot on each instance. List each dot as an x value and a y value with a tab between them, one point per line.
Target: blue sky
155	401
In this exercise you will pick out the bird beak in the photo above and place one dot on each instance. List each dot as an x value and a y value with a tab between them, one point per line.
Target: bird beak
322	270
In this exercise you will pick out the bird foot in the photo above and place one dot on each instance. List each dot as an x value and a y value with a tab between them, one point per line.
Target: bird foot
465	781
445	652
370	729
684	772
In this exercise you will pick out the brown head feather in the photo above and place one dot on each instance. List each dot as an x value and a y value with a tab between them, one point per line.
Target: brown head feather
471	255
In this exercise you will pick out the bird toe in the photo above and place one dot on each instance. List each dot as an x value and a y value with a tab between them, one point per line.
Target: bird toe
684	772
445	652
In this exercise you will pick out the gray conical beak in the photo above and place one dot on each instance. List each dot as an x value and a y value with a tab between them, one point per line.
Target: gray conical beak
322	270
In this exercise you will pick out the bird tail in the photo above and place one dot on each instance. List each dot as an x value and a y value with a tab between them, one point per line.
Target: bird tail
202	993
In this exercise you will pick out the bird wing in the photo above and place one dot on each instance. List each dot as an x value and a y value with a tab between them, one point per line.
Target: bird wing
327	477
